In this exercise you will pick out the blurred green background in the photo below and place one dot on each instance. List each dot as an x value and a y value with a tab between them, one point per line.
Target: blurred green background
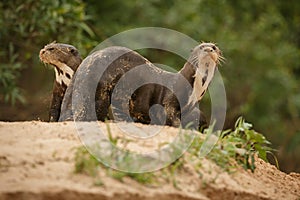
260	40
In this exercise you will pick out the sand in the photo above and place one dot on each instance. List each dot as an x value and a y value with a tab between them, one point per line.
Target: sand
37	162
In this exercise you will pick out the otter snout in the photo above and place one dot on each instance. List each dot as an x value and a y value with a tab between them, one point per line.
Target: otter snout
208	49
42	56
213	51
46	53
42	51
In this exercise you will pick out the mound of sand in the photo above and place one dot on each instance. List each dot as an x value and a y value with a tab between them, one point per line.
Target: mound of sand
37	162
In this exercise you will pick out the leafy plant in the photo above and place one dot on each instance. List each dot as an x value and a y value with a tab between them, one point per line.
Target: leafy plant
8	76
239	146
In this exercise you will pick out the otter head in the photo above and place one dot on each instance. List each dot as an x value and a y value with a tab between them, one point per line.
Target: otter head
206	53
203	61
65	59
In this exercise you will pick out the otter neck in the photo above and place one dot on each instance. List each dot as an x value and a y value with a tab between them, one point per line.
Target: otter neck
188	72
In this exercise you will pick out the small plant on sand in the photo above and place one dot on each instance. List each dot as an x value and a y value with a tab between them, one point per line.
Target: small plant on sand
236	147
85	162
232	148
143	178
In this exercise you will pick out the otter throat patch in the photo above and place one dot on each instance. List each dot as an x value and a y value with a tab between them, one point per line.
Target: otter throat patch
203	77
63	74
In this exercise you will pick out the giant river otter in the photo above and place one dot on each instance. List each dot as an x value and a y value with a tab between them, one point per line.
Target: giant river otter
120	84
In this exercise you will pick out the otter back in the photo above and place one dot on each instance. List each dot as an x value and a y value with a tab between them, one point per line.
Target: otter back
134	89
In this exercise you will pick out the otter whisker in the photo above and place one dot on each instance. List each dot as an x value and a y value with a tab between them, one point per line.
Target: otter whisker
221	60
193	59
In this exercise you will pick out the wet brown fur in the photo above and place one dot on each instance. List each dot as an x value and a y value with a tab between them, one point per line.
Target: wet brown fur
140	101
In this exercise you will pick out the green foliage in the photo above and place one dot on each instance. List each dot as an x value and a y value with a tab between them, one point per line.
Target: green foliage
26	26
8	74
235	147
250	140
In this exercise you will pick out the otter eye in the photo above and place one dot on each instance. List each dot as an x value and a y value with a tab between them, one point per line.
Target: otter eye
51	49
72	51
214	47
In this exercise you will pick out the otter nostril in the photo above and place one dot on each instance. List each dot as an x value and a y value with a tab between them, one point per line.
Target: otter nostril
208	50
42	52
